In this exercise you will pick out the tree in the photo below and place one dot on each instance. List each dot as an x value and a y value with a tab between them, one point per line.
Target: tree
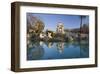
34	24
38	26
81	22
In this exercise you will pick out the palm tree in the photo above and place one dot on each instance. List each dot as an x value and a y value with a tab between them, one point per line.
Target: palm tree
81	22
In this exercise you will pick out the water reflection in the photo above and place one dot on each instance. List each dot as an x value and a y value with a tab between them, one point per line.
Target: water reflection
57	50
34	51
60	46
49	44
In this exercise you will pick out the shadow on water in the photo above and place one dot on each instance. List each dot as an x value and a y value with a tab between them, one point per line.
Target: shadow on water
57	50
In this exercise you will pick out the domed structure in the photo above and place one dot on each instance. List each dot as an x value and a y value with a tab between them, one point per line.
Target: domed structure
60	28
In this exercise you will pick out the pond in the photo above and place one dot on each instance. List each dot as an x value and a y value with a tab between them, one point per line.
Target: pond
57	50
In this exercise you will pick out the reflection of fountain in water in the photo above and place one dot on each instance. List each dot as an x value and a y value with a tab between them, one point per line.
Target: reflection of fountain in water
36	49
41	43
60	46
49	44
35	52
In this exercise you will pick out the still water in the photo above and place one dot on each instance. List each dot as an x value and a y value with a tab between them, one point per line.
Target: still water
57	50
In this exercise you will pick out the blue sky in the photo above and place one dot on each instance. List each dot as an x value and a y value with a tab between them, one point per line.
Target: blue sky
51	20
